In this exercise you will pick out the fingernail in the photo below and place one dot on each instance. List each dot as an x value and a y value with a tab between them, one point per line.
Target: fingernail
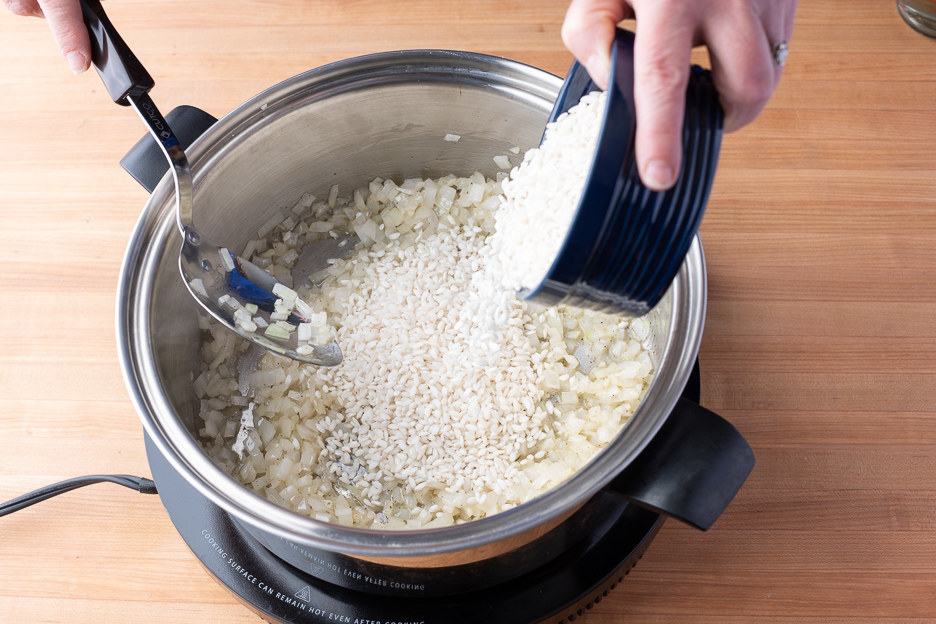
658	175
77	62
599	68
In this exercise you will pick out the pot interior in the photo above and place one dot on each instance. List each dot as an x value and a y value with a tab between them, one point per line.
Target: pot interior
346	124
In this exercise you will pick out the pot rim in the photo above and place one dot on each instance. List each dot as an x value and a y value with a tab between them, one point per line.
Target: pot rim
175	443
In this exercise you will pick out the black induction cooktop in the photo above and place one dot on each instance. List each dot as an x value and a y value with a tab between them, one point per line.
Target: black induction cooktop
561	590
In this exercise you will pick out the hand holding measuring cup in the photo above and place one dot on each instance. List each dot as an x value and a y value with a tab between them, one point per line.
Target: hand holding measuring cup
747	43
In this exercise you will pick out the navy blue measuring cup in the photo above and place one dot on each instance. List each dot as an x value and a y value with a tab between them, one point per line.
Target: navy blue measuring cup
626	243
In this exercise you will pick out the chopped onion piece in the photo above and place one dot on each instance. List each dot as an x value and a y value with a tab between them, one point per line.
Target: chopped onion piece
304	308
247	326
229	301
227	261
476	193
502	161
276	332
319	276
306	201
318	319
368	232
445	198
287	294
199	287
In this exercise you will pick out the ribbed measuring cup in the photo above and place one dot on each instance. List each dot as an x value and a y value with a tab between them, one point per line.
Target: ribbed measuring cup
627	243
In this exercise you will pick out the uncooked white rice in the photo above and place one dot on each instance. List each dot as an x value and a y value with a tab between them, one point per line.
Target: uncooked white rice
456	400
542	195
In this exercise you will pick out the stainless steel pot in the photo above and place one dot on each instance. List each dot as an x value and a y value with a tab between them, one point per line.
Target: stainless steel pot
346	123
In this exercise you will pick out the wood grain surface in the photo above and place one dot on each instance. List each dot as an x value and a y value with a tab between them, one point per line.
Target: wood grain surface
820	341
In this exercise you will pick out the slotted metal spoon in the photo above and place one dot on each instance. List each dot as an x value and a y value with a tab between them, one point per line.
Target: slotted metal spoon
213	275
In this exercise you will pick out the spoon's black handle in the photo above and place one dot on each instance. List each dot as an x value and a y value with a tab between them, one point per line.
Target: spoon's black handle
119	68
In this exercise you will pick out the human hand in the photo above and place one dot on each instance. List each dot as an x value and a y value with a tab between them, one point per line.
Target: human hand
739	35
67	24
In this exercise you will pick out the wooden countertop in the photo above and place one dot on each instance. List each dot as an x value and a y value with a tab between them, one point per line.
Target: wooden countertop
820	342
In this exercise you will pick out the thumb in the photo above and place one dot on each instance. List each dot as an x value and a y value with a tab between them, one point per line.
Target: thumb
69	31
588	31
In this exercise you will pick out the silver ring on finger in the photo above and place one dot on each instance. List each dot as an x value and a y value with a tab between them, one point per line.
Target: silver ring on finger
779	52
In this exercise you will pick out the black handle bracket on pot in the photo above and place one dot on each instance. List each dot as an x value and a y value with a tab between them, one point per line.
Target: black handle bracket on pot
691	469
146	162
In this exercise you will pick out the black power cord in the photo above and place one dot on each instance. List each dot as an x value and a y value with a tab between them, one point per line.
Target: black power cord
140	484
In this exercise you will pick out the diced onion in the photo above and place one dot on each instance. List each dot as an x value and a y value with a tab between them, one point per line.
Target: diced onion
226	260
502	161
276	332
199	287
